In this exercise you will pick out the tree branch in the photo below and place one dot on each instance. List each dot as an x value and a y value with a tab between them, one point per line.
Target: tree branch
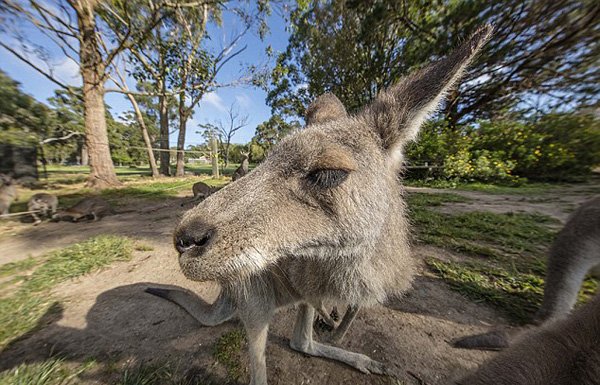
24	59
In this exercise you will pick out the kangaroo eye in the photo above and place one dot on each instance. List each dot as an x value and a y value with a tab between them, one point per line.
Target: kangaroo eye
327	178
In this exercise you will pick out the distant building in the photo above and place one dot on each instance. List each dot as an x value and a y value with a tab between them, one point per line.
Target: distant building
199	160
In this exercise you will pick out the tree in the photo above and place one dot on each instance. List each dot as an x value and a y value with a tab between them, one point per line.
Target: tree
540	48
121	82
75	27
22	118
268	134
226	130
180	64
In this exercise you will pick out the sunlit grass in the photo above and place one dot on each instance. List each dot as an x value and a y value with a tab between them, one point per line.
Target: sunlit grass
50	372
503	255
24	309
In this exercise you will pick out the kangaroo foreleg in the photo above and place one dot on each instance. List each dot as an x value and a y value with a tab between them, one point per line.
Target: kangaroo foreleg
256	324
207	314
302	341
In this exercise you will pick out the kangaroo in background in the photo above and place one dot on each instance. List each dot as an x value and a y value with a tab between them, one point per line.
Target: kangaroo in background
574	253
44	204
8	193
242	170
201	191
322	218
563	352
94	208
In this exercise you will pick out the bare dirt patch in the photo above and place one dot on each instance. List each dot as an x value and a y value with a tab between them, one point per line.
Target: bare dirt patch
557	202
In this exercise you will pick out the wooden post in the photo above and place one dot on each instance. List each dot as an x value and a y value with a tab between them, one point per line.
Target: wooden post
214	155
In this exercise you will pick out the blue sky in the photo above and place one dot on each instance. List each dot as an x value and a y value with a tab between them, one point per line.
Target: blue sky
250	100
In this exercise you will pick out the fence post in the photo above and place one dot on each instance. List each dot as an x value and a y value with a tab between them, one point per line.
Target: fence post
214	156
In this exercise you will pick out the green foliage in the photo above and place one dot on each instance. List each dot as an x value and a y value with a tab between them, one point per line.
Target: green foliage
23	120
356	48
268	134
26	307
557	146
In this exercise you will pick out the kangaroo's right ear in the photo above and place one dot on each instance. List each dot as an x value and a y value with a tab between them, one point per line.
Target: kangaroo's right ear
325	108
397	113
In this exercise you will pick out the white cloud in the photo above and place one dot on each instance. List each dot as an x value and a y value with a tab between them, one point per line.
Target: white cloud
244	100
214	100
68	70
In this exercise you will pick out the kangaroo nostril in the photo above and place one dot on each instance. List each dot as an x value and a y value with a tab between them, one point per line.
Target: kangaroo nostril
184	243
187	241
204	240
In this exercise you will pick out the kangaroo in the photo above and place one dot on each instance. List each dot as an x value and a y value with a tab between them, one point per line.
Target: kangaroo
242	170
44	204
574	253
322	218
201	191
94	208
8	193
562	352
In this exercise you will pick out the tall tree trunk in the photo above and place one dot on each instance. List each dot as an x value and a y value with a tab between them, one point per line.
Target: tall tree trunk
102	171
144	129
183	116
163	111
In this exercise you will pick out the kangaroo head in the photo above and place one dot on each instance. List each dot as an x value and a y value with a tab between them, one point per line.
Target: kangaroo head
330	190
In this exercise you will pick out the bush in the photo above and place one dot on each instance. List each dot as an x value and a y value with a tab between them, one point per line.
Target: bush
558	146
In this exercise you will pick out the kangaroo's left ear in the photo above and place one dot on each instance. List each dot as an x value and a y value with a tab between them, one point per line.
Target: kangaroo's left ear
325	108
397	114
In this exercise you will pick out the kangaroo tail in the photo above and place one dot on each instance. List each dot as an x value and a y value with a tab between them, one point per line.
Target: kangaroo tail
494	340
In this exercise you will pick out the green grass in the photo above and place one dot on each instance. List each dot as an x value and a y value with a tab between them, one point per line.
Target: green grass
504	254
497	236
25	310
530	188
227	351
51	372
13	268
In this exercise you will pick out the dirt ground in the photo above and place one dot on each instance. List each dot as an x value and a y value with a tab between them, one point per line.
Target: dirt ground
108	316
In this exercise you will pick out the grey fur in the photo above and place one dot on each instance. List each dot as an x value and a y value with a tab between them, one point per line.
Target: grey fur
563	352
574	253
44	204
242	170
8	193
322	218
94	208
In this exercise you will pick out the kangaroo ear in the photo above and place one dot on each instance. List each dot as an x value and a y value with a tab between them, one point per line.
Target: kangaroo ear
397	113
325	108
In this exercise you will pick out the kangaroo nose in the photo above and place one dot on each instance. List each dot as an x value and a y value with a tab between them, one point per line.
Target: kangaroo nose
195	236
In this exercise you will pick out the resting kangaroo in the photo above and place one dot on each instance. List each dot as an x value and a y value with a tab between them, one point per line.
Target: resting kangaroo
8	193
574	253
44	204
242	170
322	218
88	208
563	352
201	191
